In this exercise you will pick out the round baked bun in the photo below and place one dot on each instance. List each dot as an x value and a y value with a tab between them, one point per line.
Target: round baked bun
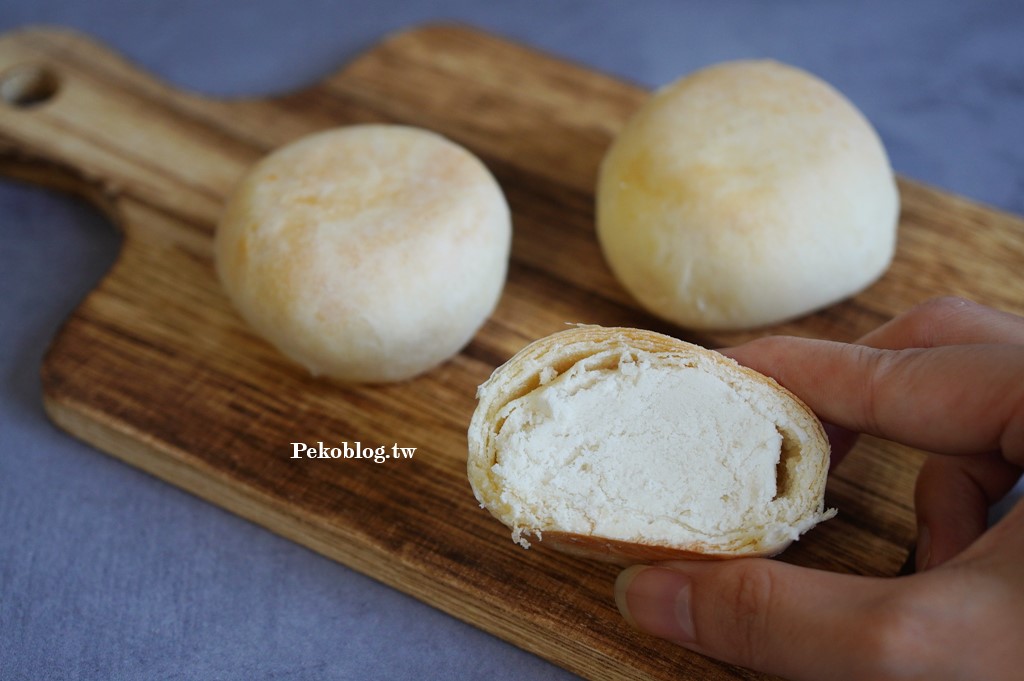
743	195
368	253
628	445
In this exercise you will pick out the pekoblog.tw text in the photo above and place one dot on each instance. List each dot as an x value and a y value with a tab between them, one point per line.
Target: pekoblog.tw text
353	450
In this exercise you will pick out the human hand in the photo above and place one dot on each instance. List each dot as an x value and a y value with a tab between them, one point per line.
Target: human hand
947	377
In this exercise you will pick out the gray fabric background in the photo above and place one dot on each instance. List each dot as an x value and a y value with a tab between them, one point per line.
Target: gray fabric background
107	573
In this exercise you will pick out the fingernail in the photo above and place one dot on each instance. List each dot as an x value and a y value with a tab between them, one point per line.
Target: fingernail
656	600
923	548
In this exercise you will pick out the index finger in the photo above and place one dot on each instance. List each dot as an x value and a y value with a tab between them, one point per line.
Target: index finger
959	399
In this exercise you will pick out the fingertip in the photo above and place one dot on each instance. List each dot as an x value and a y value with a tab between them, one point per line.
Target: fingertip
656	600
622	583
750	353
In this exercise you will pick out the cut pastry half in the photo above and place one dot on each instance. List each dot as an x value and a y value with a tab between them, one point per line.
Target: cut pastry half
628	445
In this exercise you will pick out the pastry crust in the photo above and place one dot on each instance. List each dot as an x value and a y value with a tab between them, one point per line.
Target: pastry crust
802	461
745	194
367	253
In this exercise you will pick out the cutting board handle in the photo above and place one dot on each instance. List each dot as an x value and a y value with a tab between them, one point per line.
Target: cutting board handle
76	116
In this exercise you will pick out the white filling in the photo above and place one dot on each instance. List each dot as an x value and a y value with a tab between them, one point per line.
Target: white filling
637	452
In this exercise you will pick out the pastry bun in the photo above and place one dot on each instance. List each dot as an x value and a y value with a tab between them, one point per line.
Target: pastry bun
367	253
627	445
743	195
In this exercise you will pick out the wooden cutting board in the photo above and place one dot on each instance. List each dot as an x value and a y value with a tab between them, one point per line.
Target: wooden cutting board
156	368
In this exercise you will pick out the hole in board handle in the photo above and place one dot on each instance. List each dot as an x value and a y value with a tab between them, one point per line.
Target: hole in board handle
28	85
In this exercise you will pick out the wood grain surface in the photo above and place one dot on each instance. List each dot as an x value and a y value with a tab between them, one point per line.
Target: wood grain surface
155	368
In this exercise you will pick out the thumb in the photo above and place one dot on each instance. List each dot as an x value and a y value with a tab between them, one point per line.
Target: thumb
762	614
